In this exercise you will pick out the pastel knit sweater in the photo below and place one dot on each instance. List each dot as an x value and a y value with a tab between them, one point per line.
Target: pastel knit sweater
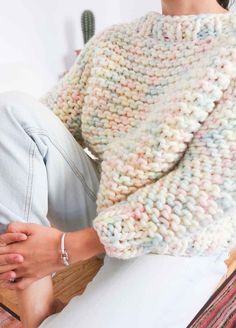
155	100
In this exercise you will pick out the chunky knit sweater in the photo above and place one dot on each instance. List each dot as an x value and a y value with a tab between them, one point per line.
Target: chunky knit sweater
155	101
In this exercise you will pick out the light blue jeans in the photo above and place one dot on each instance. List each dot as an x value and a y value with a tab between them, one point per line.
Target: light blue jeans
47	178
45	175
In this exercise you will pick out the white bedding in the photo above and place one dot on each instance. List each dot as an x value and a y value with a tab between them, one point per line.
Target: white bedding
150	291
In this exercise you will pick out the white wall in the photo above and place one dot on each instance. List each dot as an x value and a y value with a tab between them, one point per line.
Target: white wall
38	37
131	9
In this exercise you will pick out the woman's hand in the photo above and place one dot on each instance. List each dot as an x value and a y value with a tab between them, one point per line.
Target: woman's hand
39	254
10	261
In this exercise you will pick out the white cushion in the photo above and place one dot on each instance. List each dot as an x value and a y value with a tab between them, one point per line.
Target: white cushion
149	291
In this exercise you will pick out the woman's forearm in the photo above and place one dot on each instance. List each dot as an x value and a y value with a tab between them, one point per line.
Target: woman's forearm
83	244
40	251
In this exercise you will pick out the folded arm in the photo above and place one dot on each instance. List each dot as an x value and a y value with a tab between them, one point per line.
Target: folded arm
187	211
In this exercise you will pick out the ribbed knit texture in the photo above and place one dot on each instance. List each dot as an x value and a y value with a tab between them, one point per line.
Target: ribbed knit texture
155	101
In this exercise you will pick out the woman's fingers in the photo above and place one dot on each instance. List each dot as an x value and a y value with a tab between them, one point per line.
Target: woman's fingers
11	259
19	284
8	238
7	276
6	268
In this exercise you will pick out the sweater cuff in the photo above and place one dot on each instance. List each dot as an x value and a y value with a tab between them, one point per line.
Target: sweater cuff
117	230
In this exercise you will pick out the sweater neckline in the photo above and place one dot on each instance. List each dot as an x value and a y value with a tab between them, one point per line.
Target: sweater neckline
174	28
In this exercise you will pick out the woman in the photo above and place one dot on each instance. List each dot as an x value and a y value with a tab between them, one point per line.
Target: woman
154	100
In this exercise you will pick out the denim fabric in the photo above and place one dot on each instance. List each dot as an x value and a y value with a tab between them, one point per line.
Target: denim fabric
46	177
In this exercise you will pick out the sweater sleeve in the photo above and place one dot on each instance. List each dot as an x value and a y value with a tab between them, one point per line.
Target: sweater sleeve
190	210
67	97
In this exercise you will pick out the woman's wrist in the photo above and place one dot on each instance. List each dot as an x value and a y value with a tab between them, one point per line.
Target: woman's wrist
82	245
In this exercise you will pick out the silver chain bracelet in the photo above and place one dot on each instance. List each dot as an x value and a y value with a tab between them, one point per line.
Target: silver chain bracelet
64	254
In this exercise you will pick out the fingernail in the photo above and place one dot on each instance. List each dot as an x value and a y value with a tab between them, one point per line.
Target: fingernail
23	237
18	258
